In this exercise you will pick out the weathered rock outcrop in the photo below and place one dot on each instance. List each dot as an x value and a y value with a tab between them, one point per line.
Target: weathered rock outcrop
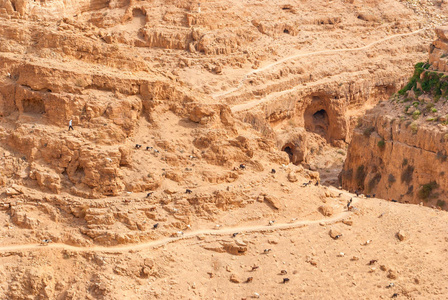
399	149
397	159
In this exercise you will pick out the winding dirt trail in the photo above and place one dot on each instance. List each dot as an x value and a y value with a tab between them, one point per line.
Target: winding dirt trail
188	235
240	85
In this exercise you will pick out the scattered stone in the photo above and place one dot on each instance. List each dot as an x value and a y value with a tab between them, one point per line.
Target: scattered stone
401	235
335	234
14	190
292	176
240	243
273	241
273	201
235	247
234	279
367	243
326	210
392	274
348	222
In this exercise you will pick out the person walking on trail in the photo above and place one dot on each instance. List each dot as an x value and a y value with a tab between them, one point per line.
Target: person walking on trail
70	123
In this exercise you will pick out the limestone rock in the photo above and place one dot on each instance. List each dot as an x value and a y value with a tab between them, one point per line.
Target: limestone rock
292	176
14	190
402	235
235	248
273	240
326	210
335	234
347	222
201	114
392	274
234	279
273	201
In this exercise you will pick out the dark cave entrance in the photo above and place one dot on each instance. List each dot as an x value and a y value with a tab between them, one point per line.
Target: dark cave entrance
320	122
291	149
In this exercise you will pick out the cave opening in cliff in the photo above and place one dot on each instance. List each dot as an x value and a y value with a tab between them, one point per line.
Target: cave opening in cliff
79	174
320	120
33	106
290	149
139	16
317	121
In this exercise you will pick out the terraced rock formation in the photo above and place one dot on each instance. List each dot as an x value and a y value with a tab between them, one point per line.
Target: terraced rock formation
190	119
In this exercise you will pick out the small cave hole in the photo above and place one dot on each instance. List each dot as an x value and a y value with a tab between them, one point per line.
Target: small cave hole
286	31
320	116
289	151
139	17
320	122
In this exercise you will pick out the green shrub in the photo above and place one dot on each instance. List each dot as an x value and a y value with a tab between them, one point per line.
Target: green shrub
405	162
426	190
441	203
414	127
374	182
441	155
416	114
341	152
419	68
430	119
433	110
391	178
381	144
368	131
407	174
406	108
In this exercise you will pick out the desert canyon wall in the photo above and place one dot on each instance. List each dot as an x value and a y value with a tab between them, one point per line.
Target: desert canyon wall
399	149
202	137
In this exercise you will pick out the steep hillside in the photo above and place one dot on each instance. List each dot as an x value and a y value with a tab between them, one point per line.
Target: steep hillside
202	135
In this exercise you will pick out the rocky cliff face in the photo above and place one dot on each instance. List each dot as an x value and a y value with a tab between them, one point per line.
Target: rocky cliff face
397	158
115	67
399	149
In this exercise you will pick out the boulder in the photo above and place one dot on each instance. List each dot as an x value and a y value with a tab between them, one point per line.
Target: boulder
292	176
201	114
326	210
273	201
335	234
401	235
234	279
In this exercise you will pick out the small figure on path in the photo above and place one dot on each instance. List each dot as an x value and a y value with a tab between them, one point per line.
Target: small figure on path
349	203
70	125
45	242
